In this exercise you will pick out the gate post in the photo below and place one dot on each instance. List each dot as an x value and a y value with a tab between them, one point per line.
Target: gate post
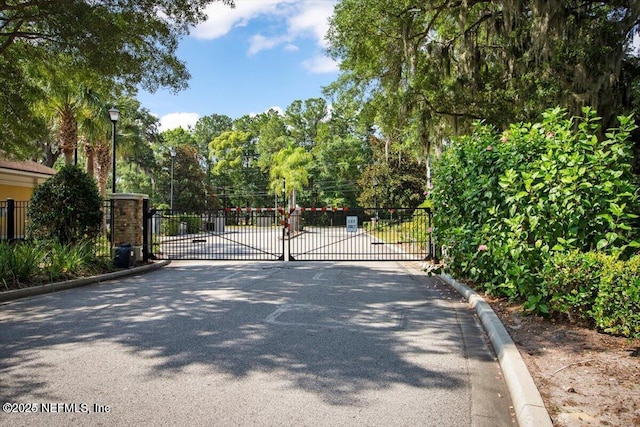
128	222
432	256
146	230
11	219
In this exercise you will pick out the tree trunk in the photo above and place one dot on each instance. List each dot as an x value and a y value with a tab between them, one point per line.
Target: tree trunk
90	156
102	154
68	135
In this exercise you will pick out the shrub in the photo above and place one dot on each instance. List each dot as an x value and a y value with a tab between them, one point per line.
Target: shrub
530	193
617	307
19	262
33	262
571	282
194	223
596	289
170	225
65	208
68	261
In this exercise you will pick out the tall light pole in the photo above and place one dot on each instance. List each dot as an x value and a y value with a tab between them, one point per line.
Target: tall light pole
172	151
114	115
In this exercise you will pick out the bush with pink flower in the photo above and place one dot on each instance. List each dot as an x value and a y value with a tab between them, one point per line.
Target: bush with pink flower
542	189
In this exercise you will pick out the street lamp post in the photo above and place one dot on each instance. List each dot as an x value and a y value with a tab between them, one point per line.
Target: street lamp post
172	151
114	115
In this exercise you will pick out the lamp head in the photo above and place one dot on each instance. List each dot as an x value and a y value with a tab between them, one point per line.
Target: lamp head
114	114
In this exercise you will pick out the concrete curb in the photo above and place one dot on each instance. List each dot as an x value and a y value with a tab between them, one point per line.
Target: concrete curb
75	283
527	402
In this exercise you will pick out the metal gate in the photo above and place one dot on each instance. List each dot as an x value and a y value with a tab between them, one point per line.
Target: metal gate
301	234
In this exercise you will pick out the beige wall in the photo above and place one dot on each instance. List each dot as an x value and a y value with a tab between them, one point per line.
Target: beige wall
15	193
19	185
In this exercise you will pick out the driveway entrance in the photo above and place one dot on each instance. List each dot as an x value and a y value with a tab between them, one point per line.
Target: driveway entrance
251	343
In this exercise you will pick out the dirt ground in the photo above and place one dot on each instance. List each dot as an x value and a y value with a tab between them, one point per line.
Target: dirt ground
585	378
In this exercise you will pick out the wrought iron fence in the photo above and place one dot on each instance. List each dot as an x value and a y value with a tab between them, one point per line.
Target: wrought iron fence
14	223
13	219
218	234
313	234
360	234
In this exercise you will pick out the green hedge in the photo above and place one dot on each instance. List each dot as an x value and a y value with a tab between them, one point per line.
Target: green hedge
597	289
545	213
194	223
531	192
66	208
171	224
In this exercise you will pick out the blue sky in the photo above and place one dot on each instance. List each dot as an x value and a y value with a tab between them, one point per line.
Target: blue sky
260	55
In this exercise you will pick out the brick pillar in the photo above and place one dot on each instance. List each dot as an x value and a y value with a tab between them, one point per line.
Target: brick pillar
128	218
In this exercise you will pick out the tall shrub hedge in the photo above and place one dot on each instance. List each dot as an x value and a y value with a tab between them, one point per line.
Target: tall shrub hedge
596	289
506	203
65	208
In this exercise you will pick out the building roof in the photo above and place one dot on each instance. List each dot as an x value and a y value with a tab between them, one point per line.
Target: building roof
27	166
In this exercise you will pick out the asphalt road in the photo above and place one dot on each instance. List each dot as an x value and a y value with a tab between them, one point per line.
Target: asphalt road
251	343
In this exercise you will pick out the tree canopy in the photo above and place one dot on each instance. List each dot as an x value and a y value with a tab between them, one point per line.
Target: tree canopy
427	70
126	43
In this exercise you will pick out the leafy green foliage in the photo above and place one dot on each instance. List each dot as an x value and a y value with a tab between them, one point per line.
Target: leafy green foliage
290	170
171	224
18	263
126	44
193	222
19	124
428	69
64	262
532	192
38	262
190	189
66	208
596	289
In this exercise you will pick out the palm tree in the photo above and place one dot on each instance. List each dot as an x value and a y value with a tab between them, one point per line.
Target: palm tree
95	130
289	173
68	94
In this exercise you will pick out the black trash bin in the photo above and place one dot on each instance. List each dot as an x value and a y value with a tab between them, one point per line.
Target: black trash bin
124	257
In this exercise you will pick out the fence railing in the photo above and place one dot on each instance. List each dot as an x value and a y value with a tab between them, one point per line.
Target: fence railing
13	219
309	234
14	222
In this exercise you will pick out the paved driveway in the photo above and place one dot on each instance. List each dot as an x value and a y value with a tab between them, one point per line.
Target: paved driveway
254	343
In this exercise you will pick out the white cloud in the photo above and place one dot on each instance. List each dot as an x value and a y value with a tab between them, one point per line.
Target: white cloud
222	18
313	19
289	20
259	42
176	120
320	65
277	109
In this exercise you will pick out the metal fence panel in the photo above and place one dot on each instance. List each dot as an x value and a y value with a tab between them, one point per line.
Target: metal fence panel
322	234
219	234
360	234
14	222
13	219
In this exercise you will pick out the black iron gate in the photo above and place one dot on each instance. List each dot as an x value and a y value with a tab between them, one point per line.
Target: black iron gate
305	234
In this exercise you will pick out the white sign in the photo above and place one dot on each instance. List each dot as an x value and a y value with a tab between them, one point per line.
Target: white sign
352	224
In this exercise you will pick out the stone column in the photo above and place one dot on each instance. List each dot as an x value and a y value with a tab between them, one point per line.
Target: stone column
128	217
